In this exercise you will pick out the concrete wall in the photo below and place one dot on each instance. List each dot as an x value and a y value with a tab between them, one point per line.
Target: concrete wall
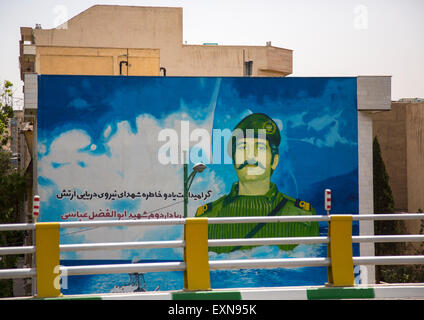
401	136
97	61
207	60
415	155
365	182
373	93
117	27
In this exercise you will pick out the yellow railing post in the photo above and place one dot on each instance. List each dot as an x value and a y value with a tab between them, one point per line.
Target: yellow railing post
340	272
196	275
47	259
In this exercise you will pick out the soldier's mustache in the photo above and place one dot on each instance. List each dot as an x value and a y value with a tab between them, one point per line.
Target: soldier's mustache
252	163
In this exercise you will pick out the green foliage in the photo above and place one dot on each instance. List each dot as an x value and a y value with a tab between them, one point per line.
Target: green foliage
383	203
383	197
12	189
405	273
6	111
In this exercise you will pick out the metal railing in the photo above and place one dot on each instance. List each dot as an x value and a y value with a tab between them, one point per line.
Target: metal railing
196	265
21	272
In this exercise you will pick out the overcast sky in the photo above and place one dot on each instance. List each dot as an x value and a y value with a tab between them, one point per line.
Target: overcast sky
328	37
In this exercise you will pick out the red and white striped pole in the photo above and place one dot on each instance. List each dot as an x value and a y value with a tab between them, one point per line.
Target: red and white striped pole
327	200
36	207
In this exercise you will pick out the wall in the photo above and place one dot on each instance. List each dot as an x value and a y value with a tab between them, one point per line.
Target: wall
365	184
161	29
401	136
97	61
106	164
415	155
390	129
118	27
229	61
373	93
155	29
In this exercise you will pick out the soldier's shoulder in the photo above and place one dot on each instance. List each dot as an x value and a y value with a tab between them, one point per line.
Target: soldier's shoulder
300	204
306	206
210	208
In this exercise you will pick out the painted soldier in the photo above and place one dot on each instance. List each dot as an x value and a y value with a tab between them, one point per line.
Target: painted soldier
255	155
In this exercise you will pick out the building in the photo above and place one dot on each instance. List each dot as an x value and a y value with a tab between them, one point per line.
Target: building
125	41
19	148
400	133
113	40
148	41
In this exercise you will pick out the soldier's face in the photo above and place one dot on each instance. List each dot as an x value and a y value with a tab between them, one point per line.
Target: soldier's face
253	159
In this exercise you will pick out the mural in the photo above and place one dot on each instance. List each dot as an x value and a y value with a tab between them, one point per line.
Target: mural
114	148
255	159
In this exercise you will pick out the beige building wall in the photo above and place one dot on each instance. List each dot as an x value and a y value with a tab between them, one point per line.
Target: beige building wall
97	61
390	129
209	60
158	29
415	155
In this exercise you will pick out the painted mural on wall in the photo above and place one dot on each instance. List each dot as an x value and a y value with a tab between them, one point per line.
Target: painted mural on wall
113	148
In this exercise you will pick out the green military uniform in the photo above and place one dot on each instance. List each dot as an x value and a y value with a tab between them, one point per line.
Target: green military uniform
234	205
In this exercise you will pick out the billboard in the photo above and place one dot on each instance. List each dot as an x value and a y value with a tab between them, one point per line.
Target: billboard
114	148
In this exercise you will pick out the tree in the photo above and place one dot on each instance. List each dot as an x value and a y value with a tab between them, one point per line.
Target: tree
12	188
384	203
383	197
6	111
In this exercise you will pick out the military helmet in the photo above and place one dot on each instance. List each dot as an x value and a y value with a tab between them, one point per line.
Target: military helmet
258	121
